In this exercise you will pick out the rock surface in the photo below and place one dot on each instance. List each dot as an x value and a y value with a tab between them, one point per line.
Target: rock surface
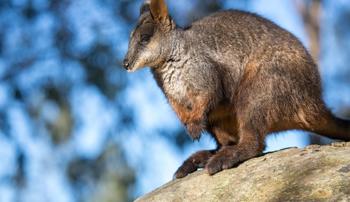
316	173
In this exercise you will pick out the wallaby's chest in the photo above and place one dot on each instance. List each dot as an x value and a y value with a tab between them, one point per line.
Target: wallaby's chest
173	83
180	91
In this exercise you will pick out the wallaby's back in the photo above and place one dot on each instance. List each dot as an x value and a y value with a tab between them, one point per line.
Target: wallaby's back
242	43
240	34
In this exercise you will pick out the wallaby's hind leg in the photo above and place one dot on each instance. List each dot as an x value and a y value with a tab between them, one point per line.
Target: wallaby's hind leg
249	137
250	144
195	161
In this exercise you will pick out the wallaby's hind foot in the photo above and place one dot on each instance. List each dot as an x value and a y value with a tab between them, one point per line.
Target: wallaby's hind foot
248	146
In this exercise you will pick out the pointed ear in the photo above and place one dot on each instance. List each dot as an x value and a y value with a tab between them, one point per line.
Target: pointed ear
144	8
159	11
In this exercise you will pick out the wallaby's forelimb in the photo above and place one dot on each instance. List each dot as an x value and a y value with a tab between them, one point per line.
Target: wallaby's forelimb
195	161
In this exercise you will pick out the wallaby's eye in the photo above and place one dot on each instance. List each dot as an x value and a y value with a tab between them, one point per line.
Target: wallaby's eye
145	38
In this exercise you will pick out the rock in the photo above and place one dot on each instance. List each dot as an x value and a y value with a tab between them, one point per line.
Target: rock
316	173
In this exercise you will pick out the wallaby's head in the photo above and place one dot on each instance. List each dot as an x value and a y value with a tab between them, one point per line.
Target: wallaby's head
148	45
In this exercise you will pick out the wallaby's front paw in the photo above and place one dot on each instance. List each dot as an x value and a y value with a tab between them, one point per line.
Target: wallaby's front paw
186	168
195	161
220	161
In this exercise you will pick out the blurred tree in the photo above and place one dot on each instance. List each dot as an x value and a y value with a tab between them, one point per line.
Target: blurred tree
51	52
310	12
341	30
108	171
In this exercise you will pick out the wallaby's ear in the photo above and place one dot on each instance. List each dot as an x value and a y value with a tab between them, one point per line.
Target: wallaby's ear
145	7
159	11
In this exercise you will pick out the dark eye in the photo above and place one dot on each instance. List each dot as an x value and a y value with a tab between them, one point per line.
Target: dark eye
145	38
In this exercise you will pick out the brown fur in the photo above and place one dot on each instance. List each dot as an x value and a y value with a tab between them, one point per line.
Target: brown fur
191	113
223	124
159	11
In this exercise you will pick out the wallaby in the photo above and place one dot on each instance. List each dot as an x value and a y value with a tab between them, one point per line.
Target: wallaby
235	75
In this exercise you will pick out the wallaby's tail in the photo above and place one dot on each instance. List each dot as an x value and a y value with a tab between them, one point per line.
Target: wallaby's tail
333	127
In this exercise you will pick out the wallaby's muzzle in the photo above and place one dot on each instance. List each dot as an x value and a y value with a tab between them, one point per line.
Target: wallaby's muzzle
126	63
129	62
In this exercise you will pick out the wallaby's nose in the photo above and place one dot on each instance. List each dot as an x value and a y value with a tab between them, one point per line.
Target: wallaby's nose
126	63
